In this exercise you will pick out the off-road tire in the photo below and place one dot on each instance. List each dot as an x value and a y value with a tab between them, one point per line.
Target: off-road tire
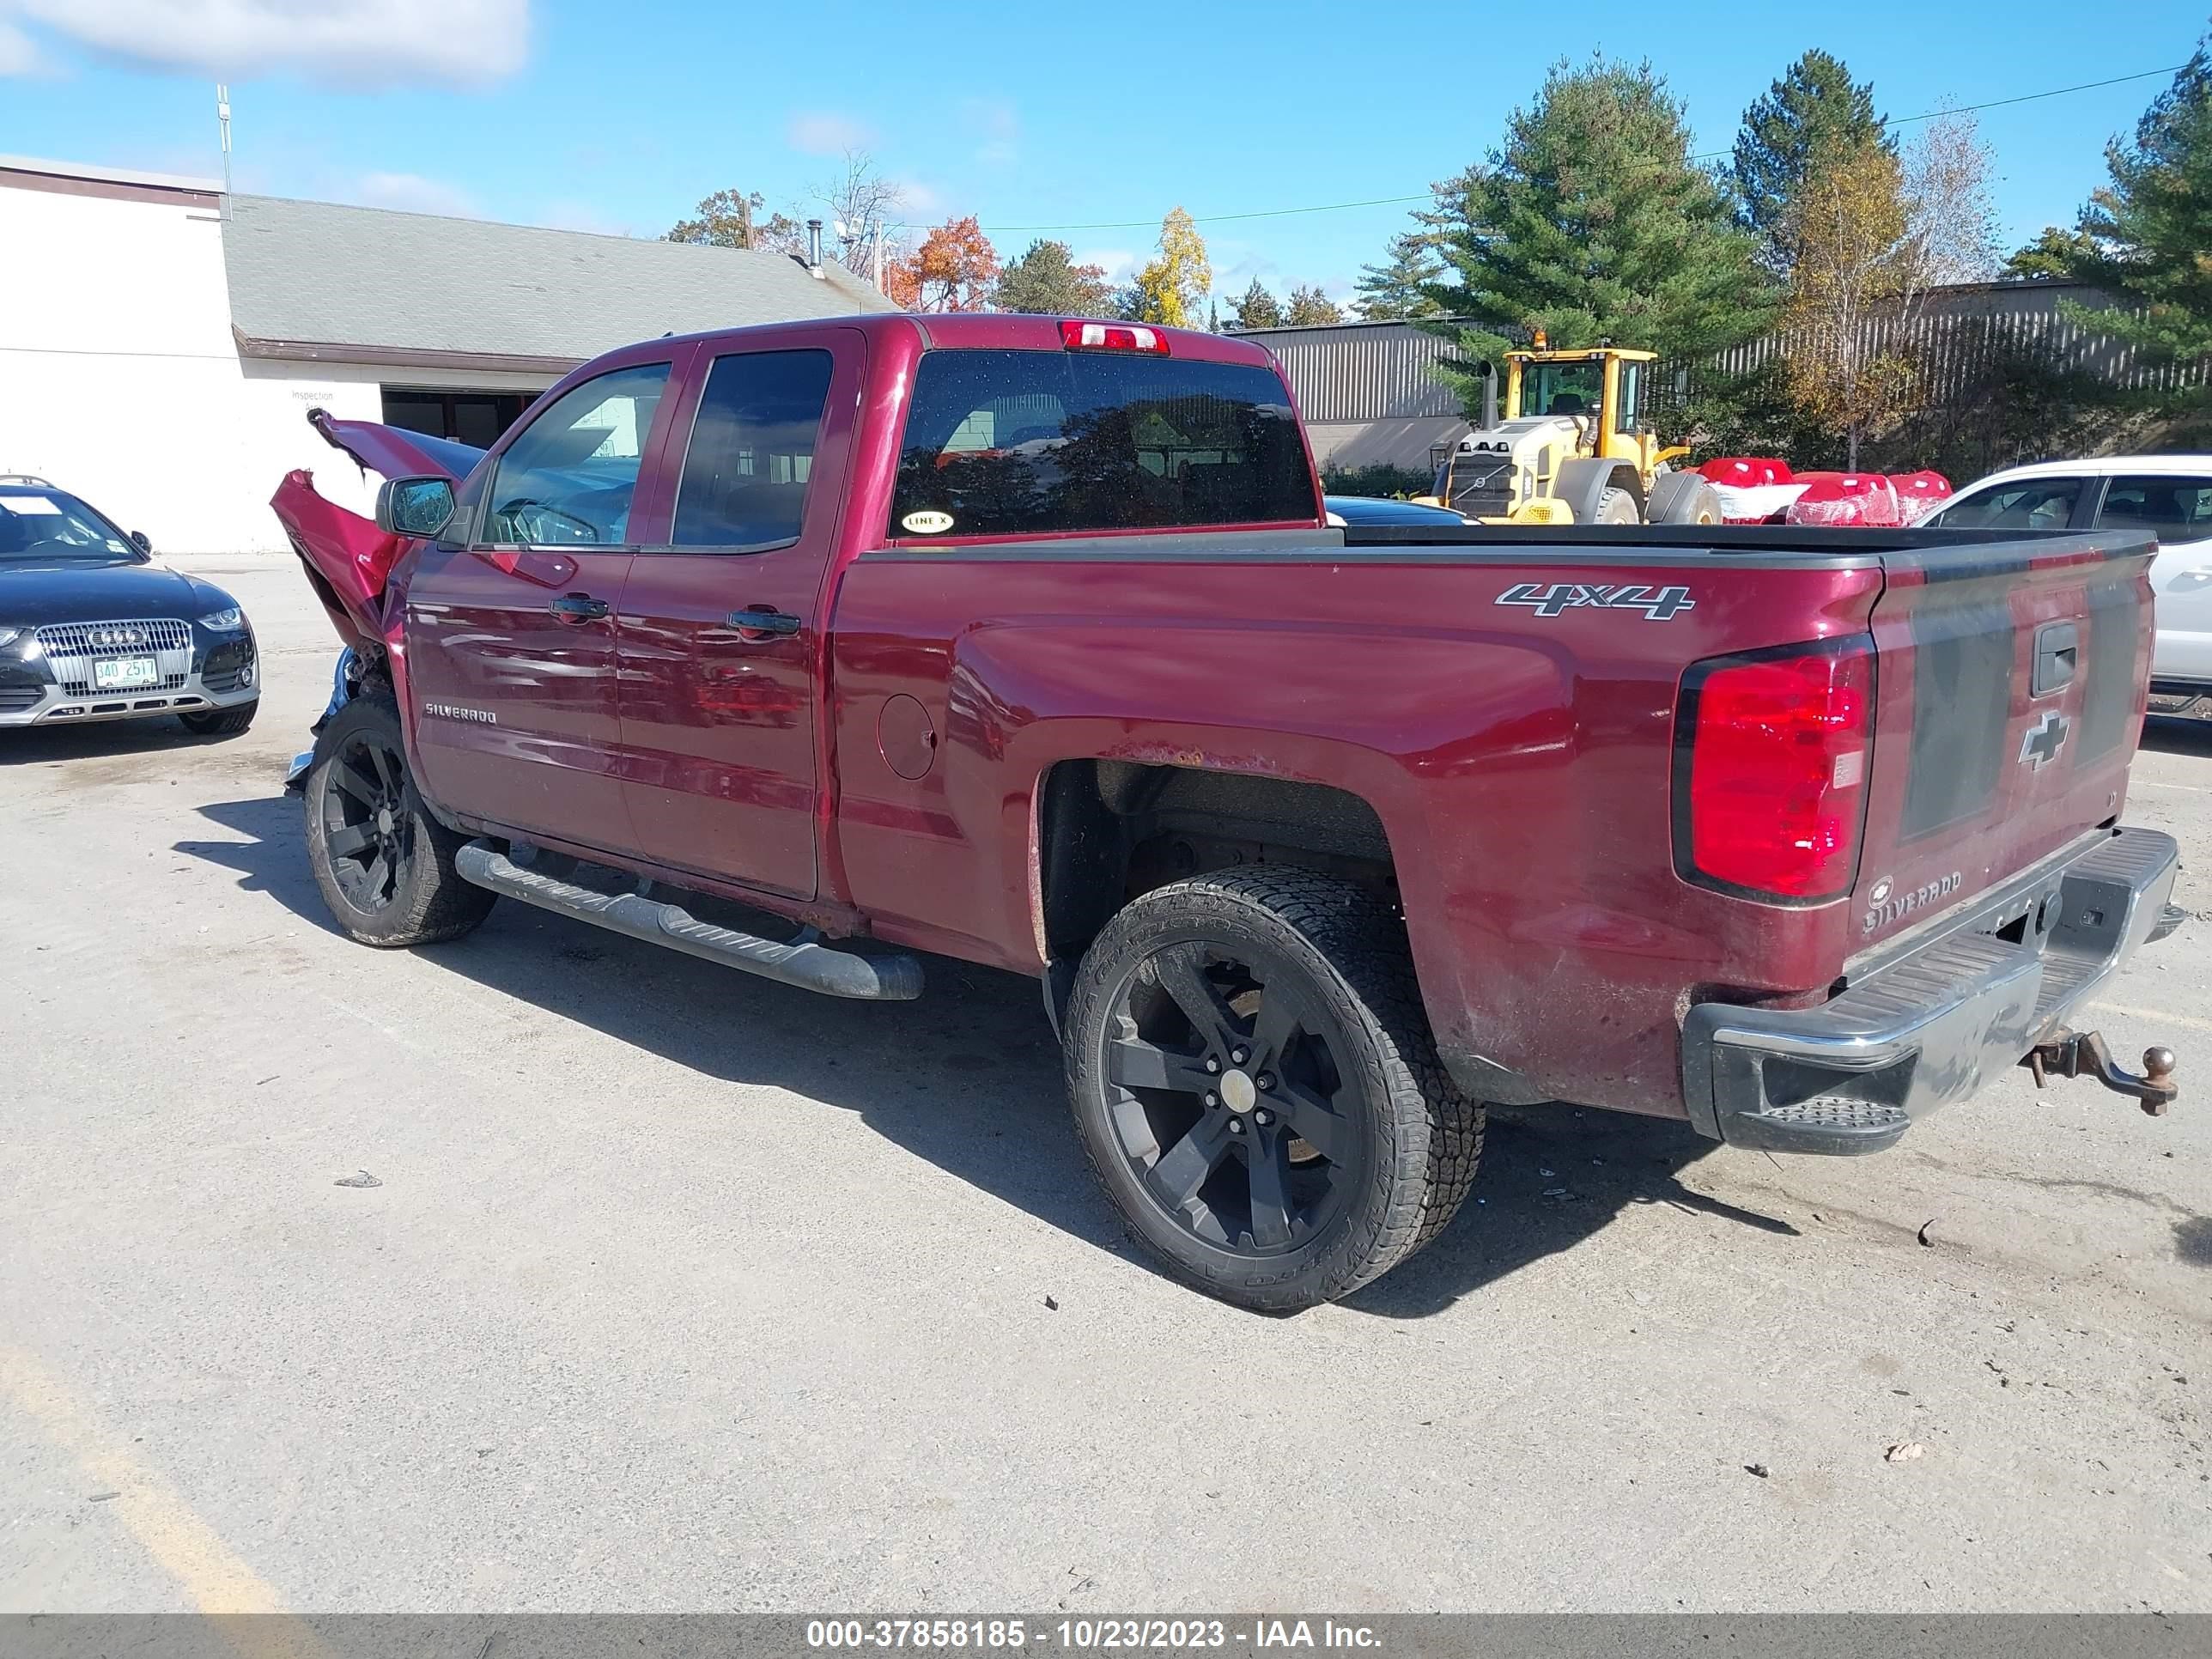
1617	506
428	900
1419	1136
221	722
1684	498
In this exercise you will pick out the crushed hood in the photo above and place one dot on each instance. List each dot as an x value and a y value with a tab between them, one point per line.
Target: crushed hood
394	452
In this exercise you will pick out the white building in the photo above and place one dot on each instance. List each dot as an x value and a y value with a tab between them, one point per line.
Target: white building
161	343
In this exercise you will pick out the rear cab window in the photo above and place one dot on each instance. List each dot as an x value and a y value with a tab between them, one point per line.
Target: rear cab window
2172	506
1019	442
750	457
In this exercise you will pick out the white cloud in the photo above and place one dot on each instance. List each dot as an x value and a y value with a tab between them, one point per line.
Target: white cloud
825	132
917	199
19	53
411	192
997	127
350	43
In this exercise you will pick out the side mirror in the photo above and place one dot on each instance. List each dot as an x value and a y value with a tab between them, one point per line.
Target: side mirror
414	507
139	540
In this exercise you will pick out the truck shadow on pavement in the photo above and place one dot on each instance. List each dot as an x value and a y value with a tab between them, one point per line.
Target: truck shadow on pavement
2170	735
968	1078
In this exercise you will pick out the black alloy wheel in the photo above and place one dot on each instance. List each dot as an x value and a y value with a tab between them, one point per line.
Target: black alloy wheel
1225	1101
367	830
383	862
1252	1075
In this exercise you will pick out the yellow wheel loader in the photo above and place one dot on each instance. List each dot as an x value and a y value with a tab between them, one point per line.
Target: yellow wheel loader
1574	447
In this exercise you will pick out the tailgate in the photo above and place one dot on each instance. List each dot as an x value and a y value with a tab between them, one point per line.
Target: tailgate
2011	678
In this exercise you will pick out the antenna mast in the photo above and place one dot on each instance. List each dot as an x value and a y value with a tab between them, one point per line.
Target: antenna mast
223	121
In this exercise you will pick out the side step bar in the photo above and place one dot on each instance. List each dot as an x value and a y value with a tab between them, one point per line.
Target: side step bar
812	967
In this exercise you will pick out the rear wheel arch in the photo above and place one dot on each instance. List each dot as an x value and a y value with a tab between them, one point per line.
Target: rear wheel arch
1109	830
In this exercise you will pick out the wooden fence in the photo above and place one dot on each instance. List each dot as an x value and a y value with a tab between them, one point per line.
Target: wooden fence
1958	335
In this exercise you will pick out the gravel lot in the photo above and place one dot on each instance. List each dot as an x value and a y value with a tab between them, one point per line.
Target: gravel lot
679	1289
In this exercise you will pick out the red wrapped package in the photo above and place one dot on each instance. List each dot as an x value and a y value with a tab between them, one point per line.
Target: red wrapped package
1919	494
1837	500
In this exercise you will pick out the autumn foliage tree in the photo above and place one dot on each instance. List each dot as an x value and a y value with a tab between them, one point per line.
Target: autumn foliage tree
955	269
735	218
1855	261
1309	308
1172	289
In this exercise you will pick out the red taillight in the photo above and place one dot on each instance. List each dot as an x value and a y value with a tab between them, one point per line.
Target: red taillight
1770	761
1112	337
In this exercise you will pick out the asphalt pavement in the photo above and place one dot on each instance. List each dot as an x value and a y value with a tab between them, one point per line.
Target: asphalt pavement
546	1270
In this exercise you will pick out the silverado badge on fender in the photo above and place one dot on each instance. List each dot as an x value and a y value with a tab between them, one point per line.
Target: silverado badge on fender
1550	599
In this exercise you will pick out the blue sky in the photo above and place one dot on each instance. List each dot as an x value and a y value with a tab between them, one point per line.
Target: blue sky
619	117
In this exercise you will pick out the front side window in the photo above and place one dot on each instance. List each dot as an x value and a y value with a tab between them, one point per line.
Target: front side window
2033	504
1003	442
46	525
2173	509
1632	397
569	479
751	453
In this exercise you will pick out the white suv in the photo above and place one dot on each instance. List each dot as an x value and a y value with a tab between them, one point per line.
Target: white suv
2169	496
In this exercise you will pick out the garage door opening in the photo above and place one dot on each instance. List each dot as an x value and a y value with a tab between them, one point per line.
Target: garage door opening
472	417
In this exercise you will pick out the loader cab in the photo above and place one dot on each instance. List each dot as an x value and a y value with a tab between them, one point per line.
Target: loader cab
1601	389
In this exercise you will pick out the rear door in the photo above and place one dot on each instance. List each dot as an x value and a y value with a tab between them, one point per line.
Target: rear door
2176	509
511	632
721	646
2009	687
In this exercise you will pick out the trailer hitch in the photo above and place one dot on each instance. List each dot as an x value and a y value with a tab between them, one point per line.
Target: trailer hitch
2083	1054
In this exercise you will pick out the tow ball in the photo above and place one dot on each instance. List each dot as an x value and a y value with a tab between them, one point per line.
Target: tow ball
2083	1054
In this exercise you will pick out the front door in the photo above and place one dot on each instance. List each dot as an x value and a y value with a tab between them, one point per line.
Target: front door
511	634
720	641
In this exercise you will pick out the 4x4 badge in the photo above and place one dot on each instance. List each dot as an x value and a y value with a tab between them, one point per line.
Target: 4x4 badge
2043	739
1550	599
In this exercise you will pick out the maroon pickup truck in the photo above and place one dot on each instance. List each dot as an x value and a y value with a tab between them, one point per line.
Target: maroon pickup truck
1026	641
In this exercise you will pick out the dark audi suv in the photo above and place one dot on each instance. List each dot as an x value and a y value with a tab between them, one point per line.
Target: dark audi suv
92	628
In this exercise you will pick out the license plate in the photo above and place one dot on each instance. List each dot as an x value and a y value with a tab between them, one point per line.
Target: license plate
123	673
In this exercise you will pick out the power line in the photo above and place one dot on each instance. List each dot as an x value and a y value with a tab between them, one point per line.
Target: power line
1709	155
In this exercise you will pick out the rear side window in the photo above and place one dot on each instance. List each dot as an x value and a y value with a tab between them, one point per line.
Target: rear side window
2173	509
1033	442
751	452
2033	504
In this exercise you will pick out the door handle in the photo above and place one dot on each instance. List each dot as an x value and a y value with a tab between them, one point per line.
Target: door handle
2057	649
764	619
579	608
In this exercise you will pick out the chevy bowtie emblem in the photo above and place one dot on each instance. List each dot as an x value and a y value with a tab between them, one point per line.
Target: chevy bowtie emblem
2043	739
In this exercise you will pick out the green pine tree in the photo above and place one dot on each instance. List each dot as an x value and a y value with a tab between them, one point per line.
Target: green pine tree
1814	112
1397	288
1046	280
1256	308
2053	256
1591	222
2151	225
